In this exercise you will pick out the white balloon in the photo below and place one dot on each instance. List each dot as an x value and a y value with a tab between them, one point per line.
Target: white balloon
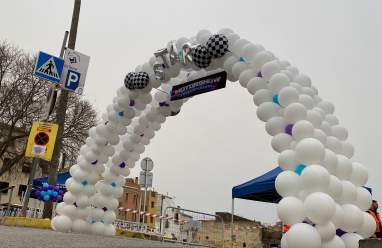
325	126
275	125
336	242
232	38
335	187
347	149
69	198
334	144
315	178
75	188
277	82
262	96
270	68
353	218
250	50
290	210
228	64
368	226
303	80
327	231
332	119
319	135
314	117
364	199
302	129
295	112
344	167
359	174
308	91
109	230
82	201
338	217
97	228
340	132
97	214
287	96
260	59
319	207
238	46
287	160
237	69
306	100
310	151
303	235
281	142
267	110
287	183
109	217
351	240
245	76
80	226
326	106
61	223
330	162
349	192
255	84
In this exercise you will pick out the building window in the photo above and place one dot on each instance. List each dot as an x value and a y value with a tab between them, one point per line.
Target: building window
152	204
153	194
127	196
4	185
151	220
22	189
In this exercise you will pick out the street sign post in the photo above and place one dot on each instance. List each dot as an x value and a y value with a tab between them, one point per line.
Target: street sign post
49	67
41	140
146	179
75	69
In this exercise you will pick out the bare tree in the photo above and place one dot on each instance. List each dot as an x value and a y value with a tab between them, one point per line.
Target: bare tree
22	98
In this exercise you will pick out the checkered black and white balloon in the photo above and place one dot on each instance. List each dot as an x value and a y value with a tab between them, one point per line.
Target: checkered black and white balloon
201	57
137	80
217	45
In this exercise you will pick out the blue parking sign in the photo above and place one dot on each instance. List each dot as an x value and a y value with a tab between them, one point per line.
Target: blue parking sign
49	67
72	80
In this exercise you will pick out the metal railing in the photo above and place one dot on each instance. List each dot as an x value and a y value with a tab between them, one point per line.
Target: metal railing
10	197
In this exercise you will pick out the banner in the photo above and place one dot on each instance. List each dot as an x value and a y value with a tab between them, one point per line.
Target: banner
41	141
199	86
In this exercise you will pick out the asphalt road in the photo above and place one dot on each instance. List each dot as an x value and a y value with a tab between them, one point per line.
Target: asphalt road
17	237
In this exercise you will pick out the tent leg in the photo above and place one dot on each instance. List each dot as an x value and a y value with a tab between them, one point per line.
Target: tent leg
232	215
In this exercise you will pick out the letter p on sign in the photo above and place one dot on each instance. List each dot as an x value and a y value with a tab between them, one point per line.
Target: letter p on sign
72	80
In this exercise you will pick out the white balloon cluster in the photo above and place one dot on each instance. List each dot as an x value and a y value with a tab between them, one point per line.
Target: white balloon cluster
320	184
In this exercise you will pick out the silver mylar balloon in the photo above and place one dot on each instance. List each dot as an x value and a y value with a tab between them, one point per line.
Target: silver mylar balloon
162	53
159	71
173	54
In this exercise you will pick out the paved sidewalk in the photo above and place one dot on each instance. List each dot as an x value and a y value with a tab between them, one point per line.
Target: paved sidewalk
18	237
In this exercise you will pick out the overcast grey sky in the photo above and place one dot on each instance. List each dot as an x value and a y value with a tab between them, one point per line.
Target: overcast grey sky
216	141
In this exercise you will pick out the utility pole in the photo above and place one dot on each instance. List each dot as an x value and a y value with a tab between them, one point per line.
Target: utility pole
35	161
61	112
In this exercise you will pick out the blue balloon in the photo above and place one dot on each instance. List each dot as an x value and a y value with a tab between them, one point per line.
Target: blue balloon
55	194
45	185
275	99
49	192
299	168
46	198
42	193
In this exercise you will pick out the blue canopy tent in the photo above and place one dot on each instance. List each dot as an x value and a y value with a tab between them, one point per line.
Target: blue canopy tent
261	188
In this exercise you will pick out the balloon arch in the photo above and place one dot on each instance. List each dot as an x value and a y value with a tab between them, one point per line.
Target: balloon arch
320	185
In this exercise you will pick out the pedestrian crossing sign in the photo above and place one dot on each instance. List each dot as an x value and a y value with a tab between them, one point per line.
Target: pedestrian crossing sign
49	67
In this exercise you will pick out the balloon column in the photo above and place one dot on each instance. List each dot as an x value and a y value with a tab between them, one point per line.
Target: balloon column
49	193
320	185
